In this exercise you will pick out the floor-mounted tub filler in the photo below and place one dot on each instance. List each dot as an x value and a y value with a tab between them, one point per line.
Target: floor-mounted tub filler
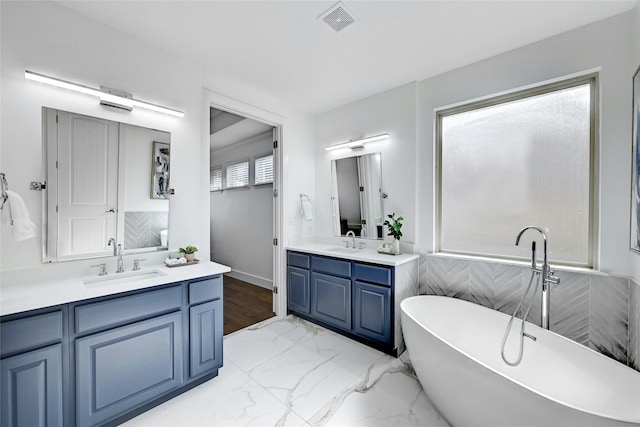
455	347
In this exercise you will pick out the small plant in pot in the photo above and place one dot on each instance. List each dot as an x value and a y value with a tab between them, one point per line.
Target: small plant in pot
189	252
394	226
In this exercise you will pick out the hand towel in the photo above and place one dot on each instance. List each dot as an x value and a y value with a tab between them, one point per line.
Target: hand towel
307	210
22	226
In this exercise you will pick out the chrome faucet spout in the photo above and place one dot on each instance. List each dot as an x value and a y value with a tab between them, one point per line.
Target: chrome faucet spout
110	242
544	239
353	238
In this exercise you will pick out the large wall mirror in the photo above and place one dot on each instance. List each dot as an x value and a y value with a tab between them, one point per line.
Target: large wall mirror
105	180
356	192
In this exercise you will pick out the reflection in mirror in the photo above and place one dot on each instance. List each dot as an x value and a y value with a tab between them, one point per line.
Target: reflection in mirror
100	185
356	187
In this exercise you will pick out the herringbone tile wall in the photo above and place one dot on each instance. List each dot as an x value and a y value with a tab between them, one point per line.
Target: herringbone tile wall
601	312
142	229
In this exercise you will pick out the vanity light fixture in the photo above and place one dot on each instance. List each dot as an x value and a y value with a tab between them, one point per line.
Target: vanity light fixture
109	97
356	144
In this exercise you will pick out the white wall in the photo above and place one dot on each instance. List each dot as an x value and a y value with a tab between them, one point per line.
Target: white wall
47	38
392	112
635	258
605	45
407	113
137	144
242	219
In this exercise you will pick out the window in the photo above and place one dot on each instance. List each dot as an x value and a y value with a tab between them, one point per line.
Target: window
521	159
237	175
263	168
215	178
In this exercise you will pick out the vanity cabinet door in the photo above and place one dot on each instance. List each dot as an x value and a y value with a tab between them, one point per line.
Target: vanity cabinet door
298	290
31	390
372	309
331	300
122	368
205	344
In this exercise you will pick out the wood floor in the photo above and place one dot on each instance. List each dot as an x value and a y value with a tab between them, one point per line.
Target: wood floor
245	304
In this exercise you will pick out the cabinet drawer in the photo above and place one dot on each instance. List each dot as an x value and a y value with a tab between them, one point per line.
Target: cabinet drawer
298	260
205	290
30	332
372	274
331	266
104	314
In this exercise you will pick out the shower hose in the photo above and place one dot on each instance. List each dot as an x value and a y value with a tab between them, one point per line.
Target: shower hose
513	316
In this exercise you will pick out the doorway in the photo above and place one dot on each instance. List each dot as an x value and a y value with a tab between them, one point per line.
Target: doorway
242	214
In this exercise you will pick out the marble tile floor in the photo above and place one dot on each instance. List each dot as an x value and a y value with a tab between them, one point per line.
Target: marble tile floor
289	372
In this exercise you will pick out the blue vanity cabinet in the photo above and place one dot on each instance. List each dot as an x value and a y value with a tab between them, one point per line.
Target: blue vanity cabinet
372	312
120	369
331	291
134	352
298	282
33	377
372	302
205	326
349	297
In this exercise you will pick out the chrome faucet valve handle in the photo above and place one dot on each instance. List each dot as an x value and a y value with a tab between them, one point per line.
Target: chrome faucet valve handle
136	264
102	267
346	243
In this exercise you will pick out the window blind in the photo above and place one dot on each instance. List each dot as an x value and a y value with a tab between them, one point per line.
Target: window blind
264	169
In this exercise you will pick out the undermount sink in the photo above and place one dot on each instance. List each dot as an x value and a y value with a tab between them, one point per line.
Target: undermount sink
344	250
118	278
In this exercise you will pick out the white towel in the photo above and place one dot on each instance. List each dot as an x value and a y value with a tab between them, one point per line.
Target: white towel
22	226
307	210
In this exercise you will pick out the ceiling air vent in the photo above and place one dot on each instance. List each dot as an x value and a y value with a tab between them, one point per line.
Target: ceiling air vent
338	17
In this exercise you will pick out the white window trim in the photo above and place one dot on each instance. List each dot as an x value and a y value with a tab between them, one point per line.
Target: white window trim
575	80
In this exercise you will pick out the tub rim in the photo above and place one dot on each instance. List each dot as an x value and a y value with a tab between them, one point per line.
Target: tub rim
483	364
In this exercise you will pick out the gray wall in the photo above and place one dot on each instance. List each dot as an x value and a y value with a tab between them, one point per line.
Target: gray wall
242	219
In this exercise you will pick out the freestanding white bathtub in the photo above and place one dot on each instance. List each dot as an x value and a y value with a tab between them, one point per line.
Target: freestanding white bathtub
454	346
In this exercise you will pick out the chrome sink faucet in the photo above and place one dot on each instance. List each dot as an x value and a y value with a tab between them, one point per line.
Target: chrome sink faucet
110	242
547	274
119	261
353	237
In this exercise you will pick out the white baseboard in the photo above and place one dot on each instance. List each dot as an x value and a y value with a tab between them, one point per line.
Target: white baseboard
250	278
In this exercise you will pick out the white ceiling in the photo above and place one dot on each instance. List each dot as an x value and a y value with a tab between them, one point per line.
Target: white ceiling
236	131
283	50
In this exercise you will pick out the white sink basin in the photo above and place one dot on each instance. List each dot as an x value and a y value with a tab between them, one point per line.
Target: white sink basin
343	250
118	278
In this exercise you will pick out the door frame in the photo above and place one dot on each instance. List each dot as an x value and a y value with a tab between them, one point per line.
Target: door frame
221	102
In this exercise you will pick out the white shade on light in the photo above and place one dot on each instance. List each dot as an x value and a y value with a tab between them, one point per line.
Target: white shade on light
121	100
357	143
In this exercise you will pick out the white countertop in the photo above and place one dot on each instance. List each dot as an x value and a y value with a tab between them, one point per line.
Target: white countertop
21	296
365	255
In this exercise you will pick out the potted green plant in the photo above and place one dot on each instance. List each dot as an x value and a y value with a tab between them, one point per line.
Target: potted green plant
189	252
394	226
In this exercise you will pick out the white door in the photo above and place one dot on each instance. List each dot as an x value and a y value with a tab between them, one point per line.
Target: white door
87	185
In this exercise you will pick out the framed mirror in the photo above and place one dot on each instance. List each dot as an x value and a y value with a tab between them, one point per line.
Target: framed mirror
356	192
105	179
